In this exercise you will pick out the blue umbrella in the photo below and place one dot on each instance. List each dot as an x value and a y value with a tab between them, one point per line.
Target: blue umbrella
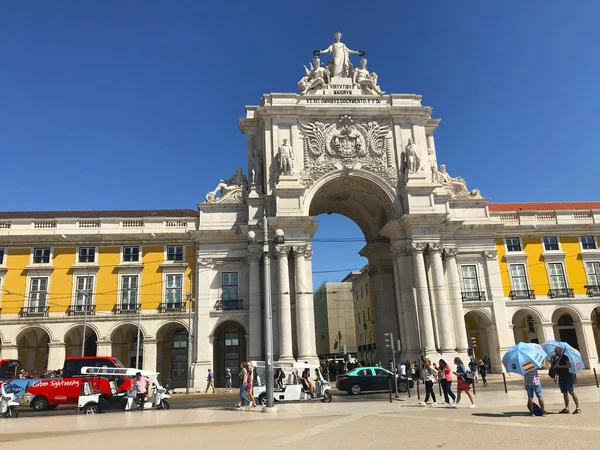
571	352
524	357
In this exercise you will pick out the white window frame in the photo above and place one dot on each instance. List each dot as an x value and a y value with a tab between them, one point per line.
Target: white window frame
518	263
559	249
95	261
28	288
3	252
164	286
587	275
122	289
74	296
477	278
507	251
183	255
237	274
122	255
31	256
564	270
466	259
588	249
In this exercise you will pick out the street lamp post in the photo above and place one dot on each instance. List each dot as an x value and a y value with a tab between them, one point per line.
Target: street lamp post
268	318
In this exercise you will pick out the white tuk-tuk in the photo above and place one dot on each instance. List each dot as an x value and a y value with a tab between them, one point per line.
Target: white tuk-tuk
294	387
93	401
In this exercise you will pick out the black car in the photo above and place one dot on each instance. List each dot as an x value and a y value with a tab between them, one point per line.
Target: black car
364	379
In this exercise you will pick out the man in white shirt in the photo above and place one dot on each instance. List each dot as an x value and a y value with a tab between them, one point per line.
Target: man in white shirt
401	369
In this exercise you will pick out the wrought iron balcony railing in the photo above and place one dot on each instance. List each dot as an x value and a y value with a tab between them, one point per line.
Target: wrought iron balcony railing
521	294
561	293
229	305
34	311
126	308
81	310
593	291
472	296
171	308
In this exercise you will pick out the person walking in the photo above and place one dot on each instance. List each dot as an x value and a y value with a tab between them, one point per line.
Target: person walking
228	384
210	381
473	368
141	389
243	376
446	381
561	364
430	375
249	384
533	386
483	372
462	384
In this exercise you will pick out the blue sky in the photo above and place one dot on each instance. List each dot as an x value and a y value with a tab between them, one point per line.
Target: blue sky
123	105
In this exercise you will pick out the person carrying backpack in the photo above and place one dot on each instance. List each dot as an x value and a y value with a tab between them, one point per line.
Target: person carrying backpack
464	382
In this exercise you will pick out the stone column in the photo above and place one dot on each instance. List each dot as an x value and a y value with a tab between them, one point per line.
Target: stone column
547	331
396	253
587	343
285	308
304	307
408	318
254	304
445	336
56	355
150	347
104	348
10	351
205	355
422	294
496	295
457	312
311	303
494	347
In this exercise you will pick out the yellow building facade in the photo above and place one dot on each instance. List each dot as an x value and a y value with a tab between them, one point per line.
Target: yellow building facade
365	316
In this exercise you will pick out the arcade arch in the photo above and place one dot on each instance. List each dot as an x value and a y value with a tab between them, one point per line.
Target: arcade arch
480	334
527	326
33	349
124	340
73	341
172	353
229	347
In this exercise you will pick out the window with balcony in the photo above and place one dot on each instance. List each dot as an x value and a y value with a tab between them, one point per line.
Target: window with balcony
593	278
38	293
471	284
129	292
558	281
131	254
84	287
519	284
229	291
587	243
513	244
41	255
87	254
175	253
550	244
173	292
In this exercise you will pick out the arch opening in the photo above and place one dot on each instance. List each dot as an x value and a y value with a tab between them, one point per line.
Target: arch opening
73	342
32	344
527	327
172	358
229	351
124	347
478	329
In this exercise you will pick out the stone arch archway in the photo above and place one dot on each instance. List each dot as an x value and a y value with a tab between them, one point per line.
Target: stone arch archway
172	340
480	334
229	348
124	347
567	326
33	349
73	340
528	326
595	318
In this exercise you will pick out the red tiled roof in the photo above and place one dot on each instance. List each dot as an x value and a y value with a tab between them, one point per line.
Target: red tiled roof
99	214
543	206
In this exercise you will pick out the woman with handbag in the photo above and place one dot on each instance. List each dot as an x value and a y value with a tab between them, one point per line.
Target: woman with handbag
464	382
430	375
446	382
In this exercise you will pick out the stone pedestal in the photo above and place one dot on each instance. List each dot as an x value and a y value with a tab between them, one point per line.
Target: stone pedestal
56	355
150	353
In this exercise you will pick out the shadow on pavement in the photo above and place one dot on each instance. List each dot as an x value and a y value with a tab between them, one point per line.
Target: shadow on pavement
503	414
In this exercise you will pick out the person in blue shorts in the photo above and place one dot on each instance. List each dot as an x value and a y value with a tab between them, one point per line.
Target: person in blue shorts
562	364
534	387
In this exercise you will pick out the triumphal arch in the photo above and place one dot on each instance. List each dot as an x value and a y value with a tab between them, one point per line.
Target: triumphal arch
342	144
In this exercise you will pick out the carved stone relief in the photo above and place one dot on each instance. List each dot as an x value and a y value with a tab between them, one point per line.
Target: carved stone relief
346	145
456	187
232	190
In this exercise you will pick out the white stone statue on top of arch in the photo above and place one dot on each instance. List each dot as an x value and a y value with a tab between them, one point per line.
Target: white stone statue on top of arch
340	66
413	161
456	187
232	190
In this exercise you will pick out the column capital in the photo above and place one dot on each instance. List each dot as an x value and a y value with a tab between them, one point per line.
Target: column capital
398	249
413	248
435	247
56	344
254	253
490	254
204	262
450	253
380	269
300	250
149	341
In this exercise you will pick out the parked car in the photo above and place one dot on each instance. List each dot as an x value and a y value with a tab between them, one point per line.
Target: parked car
364	379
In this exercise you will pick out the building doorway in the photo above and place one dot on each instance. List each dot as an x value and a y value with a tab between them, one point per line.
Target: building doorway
566	330
172	357
229	351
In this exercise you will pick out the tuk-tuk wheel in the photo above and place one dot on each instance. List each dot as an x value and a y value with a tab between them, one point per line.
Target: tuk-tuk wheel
91	409
326	398
262	399
164	405
11	413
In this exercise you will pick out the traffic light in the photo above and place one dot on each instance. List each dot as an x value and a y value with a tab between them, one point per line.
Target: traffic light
389	341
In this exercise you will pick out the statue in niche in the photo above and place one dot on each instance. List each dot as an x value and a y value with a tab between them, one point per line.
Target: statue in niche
413	161
285	157
231	190
340	66
314	78
256	170
456	186
365	80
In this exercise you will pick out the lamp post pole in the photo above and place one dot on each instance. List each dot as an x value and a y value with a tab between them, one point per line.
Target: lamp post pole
268	316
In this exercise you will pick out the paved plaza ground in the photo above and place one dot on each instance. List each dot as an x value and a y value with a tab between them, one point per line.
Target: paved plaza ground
499	421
